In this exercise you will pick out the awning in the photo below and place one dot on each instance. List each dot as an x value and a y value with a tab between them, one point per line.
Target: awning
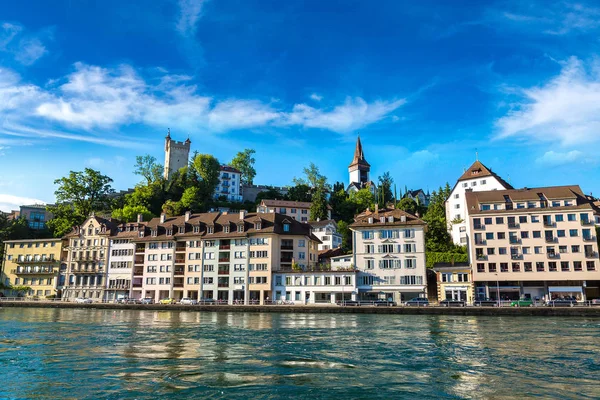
578	289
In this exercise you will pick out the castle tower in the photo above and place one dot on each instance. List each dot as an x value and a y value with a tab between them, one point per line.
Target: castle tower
359	168
177	155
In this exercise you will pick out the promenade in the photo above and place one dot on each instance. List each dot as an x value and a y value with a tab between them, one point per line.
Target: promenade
577	311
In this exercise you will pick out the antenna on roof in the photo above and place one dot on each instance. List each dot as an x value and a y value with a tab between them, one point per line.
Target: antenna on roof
476	155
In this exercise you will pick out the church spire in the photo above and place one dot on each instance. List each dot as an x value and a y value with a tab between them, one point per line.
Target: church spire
359	155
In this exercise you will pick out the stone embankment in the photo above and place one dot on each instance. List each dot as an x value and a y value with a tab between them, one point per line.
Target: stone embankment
473	311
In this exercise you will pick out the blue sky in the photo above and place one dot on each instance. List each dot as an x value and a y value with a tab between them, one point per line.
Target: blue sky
427	84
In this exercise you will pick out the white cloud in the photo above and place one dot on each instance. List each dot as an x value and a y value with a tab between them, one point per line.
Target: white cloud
566	109
189	14
552	158
316	97
9	202
27	50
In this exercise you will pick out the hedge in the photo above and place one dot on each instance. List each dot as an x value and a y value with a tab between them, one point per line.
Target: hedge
433	258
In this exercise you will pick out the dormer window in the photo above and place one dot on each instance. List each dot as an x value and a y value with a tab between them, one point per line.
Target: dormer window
211	229
226	229
390	219
182	229
286	227
382	220
370	220
154	233
240	228
257	226
170	232
141	234
403	218
196	228
127	228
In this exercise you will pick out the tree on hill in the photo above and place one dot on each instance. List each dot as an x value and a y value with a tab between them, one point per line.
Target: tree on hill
385	186
318	207
244	162
270	194
147	167
208	169
130	213
299	193
437	237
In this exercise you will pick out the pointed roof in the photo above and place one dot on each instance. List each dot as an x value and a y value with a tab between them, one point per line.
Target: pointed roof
359	156
478	170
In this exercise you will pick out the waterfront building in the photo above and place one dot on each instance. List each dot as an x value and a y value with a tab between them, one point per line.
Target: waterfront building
177	155
222	256
33	263
358	171
298	210
419	196
87	255
454	282
533	242
389	253
229	185
314	286
327	233
121	259
476	178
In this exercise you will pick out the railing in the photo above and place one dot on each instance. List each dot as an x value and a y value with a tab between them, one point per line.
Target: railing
138	260
224	259
223	272
223	285
179	249
516	256
178	285
180	261
589	238
136	285
513	225
19	271
140	249
591	254
42	261
119	286
514	240
479	227
481	257
550	239
548	223
139	271
286	247
87	270
224	246
179	271
553	255
586	222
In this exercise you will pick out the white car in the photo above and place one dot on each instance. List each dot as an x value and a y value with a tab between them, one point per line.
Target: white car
188	301
83	300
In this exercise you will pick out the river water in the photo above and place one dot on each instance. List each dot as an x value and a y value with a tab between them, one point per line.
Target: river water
113	354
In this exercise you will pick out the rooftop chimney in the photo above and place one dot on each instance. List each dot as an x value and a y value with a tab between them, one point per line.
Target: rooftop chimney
163	217
140	218
376	208
242	214
187	215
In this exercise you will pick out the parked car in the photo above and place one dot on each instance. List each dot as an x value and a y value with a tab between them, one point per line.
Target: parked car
349	303
521	303
133	301
485	302
595	302
83	300
452	303
417	301
384	303
562	303
147	300
188	301
208	302
168	301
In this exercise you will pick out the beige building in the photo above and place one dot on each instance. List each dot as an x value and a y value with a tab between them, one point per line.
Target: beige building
34	263
454	282
87	256
533	242
298	210
389	253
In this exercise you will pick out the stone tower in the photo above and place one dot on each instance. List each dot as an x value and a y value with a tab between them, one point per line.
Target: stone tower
177	155
359	168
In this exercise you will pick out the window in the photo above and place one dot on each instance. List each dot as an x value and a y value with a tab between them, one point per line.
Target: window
447	277
590	265
208	280
560	233
528	267
465	185
502	250
577	266
537	250
286	227
480	267
524	235
537	234
539	266
369	264
490	251
410	247
301	243
487	221
571	217
564	266
535	218
410	263
456	196
501	235
575	248
483	182
573	232
499	220
552	266
368	235
209	268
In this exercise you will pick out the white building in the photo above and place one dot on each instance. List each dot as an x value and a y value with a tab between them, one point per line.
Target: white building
389	253
477	178
314	287
229	184
419	196
120	261
327	233
341	262
177	155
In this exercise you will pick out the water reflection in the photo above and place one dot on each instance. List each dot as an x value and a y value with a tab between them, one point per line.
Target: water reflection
45	353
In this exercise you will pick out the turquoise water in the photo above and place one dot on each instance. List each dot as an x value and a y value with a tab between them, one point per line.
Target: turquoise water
113	354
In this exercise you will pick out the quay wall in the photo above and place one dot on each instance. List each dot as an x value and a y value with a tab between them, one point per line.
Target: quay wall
471	311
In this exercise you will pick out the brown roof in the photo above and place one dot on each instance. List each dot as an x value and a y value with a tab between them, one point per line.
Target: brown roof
109	223
478	170
319	224
288	204
227	168
571	192
323	254
362	220
359	155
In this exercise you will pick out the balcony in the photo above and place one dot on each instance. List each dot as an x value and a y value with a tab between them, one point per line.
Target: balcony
179	271
224	259
516	256
138	271
481	257
180	249
553	256
93	270
586	222
591	254
589	238
140	248
179	260
137	284
178	284
223	272
224	247
479	227
550	239
223	285
225	177
121	286
514	240
286	260
549	223
31	271
138	260
287	247
41	261
513	225
480	242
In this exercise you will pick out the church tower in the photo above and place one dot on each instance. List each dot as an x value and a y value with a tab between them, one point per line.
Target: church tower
177	155
359	168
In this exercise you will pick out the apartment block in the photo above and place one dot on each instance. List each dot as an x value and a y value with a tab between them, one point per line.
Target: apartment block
533	242
230	184
314	287
389	253
476	178
298	210
33	263
121	260
87	256
327	233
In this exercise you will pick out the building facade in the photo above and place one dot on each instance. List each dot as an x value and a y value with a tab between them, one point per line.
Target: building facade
33	264
314	287
476	178
177	155
326	232
36	216
229	186
298	210
538	243
419	196
87	256
454	282
121	260
389	253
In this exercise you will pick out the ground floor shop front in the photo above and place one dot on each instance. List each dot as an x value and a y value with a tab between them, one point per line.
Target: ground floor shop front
538	291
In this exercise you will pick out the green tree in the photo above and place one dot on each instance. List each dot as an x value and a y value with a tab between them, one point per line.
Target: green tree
270	194
130	213
409	205
362	200
172	208
437	237
299	193
344	230
318	207
147	167
313	178
244	162
208	169
385	185
191	199
77	196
